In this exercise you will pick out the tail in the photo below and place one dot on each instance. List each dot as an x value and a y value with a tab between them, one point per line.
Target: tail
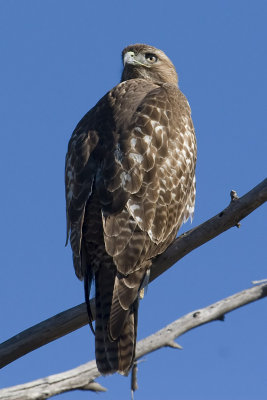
114	352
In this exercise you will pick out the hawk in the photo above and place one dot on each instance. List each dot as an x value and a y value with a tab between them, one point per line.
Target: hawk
130	184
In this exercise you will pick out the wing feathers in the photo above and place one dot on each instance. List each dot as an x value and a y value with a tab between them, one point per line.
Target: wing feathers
129	186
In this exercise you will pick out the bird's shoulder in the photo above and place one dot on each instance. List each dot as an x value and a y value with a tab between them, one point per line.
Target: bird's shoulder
135	92
122	101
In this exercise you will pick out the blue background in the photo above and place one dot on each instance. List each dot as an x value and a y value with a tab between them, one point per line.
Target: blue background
57	59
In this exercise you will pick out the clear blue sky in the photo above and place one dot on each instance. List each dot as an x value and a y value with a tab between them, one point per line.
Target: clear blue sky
57	59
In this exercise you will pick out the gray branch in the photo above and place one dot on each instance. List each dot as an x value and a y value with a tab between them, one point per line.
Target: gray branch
76	317
83	376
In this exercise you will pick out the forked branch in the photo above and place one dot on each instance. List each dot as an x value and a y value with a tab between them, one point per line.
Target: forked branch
76	317
83	376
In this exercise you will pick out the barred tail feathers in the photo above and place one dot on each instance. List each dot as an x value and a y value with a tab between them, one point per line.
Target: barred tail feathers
113	353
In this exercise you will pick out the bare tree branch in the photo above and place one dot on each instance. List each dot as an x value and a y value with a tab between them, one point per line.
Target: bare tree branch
83	376
76	317
238	209
216	311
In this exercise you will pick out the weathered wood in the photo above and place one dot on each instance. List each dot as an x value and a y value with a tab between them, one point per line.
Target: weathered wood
238	209
76	317
83	376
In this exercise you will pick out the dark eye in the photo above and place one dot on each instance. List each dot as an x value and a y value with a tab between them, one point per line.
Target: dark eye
151	58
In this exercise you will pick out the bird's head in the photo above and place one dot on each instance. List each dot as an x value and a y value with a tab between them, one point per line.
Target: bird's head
147	62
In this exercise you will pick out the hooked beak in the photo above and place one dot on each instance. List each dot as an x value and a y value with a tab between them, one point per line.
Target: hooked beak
131	58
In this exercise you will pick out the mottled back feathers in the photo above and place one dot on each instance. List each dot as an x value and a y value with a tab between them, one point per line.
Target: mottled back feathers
130	184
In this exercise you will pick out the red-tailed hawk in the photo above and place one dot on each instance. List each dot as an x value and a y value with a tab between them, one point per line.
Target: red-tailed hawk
130	184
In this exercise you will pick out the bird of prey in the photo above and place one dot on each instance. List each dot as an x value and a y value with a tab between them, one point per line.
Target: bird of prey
130	184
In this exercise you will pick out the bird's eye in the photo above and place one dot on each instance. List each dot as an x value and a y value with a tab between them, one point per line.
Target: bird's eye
151	58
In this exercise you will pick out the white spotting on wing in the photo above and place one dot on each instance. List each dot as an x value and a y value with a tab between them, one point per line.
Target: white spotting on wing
150	234
147	139
154	123
190	213
125	178
188	161
133	207
133	142
158	128
136	157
